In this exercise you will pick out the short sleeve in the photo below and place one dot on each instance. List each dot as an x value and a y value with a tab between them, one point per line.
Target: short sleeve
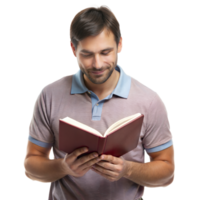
157	128
40	131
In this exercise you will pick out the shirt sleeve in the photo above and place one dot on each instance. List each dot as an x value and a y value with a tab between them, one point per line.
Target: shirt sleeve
157	129
40	132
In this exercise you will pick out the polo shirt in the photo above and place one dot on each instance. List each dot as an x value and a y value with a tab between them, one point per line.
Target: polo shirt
70	97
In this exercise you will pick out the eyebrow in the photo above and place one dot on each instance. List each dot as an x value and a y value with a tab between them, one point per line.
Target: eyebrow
86	51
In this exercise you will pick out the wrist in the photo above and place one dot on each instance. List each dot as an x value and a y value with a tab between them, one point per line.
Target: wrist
62	167
127	169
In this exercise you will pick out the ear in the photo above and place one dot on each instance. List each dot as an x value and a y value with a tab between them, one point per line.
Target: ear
119	45
73	48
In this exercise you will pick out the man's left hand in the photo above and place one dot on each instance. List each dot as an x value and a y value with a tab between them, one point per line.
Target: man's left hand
110	167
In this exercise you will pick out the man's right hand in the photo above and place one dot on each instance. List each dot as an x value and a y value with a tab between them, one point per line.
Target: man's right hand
77	167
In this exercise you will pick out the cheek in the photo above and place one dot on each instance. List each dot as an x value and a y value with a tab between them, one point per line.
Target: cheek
112	56
85	63
85	66
110	59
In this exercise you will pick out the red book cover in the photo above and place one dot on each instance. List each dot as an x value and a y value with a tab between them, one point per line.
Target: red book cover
116	143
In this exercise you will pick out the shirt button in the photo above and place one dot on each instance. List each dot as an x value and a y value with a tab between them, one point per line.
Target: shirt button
97	104
89	92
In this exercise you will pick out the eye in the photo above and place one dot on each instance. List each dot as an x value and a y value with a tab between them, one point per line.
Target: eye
86	55
103	53
106	53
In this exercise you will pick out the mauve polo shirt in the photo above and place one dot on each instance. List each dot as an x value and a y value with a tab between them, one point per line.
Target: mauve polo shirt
69	96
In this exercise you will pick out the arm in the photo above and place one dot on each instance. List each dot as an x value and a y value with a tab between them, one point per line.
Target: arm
158	172
39	167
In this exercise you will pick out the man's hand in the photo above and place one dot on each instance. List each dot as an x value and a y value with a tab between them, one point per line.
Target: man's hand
112	168
77	167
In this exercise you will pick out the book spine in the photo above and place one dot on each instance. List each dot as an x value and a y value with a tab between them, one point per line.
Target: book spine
101	145
104	145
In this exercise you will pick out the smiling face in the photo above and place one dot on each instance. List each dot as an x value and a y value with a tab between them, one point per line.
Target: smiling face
97	56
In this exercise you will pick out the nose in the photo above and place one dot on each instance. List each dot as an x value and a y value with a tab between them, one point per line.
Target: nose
97	63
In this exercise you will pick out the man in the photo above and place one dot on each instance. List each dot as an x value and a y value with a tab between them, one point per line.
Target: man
98	95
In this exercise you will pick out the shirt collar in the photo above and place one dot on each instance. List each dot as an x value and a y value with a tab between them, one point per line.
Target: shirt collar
122	89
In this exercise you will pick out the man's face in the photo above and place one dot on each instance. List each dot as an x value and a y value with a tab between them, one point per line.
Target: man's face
97	56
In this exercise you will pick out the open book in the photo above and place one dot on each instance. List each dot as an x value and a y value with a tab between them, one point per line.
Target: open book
120	138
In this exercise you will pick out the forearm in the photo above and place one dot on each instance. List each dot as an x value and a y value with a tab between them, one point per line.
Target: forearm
43	169
152	174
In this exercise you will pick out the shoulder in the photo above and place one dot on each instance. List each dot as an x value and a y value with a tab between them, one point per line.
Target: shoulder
59	86
142	93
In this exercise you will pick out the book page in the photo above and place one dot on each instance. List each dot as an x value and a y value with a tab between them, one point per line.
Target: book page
121	122
81	125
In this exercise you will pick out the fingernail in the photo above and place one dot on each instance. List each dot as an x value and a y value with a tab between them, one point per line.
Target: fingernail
95	155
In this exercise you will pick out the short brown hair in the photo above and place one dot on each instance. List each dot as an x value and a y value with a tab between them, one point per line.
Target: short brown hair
91	21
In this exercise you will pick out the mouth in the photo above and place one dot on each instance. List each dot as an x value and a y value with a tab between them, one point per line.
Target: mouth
97	72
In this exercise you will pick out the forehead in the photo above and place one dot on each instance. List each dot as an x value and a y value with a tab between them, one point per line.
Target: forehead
97	43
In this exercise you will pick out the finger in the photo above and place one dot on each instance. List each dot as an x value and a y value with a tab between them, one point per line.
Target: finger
73	156
111	159
88	162
105	171
106	165
108	177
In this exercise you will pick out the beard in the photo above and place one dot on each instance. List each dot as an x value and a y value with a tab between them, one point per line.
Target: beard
98	78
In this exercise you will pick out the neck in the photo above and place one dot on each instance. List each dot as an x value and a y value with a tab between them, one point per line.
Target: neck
104	89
